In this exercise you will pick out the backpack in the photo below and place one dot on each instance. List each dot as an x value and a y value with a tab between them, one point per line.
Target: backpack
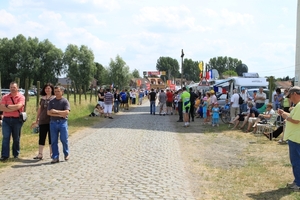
241	100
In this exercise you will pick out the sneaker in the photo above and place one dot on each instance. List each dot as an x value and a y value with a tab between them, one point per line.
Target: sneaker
294	187
289	185
3	159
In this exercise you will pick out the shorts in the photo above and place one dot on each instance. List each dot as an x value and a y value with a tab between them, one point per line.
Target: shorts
252	119
169	104
208	113
186	109
108	108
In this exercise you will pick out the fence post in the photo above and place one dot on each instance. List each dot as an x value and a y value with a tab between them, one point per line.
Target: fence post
38	87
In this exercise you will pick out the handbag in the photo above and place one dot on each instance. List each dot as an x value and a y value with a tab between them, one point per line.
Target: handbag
22	115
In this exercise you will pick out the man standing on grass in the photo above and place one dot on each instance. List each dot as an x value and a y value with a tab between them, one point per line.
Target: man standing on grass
292	135
58	110
11	105
186	104
108	103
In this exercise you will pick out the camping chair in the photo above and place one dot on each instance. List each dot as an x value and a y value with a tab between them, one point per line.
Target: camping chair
269	126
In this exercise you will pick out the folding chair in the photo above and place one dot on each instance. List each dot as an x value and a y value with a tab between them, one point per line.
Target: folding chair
269	126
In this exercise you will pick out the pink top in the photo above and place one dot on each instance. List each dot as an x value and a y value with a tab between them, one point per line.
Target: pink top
18	99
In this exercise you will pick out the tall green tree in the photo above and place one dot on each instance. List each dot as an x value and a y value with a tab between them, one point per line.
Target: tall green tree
136	73
170	66
191	70
118	72
48	59
99	70
222	64
80	65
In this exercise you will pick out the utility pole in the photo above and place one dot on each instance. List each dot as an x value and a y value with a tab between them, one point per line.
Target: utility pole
182	55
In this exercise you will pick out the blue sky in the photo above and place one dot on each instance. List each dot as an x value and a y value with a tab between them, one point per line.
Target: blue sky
261	33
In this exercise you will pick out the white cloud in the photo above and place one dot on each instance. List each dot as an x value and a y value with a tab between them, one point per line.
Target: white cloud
234	18
173	17
7	19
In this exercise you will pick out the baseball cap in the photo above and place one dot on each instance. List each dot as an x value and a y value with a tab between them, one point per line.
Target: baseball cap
295	89
243	88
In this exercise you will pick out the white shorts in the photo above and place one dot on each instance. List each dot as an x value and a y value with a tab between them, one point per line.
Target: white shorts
252	119
108	108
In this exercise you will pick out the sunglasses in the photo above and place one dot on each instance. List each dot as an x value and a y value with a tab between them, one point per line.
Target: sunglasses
292	92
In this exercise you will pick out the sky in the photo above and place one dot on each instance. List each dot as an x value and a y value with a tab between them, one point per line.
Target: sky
260	33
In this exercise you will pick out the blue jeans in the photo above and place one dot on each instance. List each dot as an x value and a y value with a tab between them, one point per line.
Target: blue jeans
152	107
59	127
294	150
11	127
116	106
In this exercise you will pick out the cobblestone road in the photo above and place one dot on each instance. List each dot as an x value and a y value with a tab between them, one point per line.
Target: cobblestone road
134	156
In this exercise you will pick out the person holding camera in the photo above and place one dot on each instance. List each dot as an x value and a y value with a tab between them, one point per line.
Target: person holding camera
43	120
11	105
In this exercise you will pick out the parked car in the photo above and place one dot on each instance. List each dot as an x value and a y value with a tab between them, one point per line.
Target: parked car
221	98
5	91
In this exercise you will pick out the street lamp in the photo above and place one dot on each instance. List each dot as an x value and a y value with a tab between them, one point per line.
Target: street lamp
182	55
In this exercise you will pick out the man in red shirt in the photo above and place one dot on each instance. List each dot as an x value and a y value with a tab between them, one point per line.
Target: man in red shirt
11	105
169	102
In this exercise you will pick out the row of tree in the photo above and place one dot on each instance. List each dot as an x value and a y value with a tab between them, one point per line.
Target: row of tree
42	61
191	71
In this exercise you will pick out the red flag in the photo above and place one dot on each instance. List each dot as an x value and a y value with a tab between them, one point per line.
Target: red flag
207	75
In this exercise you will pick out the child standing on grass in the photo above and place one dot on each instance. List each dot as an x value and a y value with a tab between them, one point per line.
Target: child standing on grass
215	114
204	110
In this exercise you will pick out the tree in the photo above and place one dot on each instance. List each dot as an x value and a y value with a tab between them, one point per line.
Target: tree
240	69
99	70
118	72
48	59
222	64
229	73
191	70
80	65
170	66
136	73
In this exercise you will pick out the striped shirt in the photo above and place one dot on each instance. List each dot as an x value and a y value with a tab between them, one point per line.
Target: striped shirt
108	98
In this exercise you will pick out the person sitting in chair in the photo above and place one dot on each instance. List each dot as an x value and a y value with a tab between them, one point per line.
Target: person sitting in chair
265	117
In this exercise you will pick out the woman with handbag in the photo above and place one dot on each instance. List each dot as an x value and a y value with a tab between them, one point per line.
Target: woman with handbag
43	120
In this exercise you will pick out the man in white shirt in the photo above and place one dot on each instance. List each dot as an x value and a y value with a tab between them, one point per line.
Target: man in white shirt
260	98
234	104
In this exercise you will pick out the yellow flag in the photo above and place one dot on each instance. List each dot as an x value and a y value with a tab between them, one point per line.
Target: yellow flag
201	66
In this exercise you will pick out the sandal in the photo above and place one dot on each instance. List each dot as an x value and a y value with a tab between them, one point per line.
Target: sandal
247	131
38	157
